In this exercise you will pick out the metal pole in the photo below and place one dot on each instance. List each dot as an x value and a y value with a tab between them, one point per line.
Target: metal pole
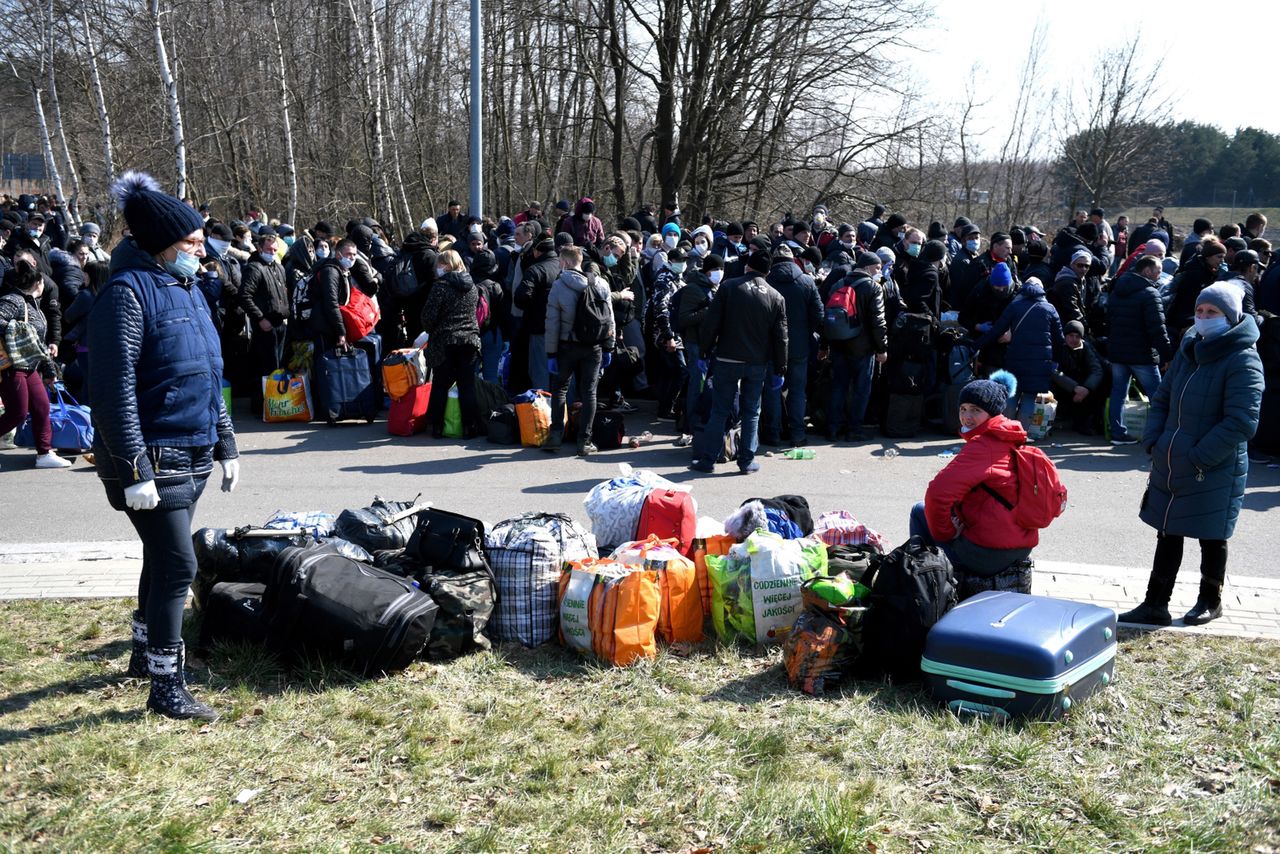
477	137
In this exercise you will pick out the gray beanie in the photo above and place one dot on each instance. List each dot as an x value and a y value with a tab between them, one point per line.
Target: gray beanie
1226	297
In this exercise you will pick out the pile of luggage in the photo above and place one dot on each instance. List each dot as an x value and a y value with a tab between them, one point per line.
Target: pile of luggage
342	384
377	587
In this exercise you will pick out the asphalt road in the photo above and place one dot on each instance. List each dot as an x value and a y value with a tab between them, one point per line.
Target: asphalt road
304	467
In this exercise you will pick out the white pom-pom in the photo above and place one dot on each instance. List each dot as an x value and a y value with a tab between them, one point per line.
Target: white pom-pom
1006	379
130	183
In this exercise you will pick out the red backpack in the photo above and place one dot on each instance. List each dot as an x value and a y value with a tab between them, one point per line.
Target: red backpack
670	515
359	314
1041	495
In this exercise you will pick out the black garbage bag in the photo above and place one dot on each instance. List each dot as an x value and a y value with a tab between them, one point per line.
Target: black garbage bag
380	526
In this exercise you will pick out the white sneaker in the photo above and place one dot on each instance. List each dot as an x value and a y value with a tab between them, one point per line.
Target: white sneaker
6	442
51	461
684	441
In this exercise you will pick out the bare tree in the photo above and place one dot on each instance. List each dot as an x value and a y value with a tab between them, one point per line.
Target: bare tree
175	107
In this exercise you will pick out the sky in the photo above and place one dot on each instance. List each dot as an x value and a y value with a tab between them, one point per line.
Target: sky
959	33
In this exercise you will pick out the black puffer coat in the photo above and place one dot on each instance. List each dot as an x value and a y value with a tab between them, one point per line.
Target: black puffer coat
1137	331
450	316
156	382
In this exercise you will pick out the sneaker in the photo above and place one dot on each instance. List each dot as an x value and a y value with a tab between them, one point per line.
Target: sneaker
750	468
51	461
1123	440
699	466
685	440
587	450
6	441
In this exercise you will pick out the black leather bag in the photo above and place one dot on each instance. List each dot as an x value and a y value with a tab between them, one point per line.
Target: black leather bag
445	540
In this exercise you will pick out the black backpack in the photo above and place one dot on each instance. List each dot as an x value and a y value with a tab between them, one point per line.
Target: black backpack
404	281
322	602
912	587
594	313
911	336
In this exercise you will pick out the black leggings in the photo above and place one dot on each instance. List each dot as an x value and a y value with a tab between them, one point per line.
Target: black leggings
168	568
1168	559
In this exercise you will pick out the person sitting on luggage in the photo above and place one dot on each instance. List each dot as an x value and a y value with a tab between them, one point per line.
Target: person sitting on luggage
1079	382
962	512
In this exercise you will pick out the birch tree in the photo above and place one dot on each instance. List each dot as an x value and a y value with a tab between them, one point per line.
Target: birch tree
175	107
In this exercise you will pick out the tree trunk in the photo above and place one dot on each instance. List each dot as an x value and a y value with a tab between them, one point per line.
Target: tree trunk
290	165
175	111
46	144
59	129
104	120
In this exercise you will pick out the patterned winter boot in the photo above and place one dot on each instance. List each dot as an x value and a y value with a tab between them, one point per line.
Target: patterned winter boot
138	657
169	694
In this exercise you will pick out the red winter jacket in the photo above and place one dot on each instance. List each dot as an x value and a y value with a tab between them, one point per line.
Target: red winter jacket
957	490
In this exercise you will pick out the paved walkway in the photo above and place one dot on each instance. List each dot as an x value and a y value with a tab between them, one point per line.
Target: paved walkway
109	570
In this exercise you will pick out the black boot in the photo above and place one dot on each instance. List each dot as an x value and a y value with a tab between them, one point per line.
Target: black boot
138	657
1154	610
1208	604
169	694
553	441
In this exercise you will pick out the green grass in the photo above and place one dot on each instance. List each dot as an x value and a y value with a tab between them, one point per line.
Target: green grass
540	751
1183	217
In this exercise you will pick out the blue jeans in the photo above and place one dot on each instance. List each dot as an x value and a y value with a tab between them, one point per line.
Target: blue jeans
732	379
1148	377
918	526
1020	406
491	347
965	555
538	373
851	377
797	378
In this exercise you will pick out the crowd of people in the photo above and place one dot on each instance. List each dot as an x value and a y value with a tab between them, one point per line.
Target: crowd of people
742	336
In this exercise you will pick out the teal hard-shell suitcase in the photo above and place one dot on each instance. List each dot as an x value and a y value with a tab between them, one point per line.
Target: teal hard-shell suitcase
1009	655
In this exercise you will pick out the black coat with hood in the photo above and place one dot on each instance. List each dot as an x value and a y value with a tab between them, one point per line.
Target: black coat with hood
263	293
423	255
1137	332
535	286
484	272
449	316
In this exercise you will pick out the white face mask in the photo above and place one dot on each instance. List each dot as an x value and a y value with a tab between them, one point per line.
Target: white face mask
586	217
440	271
715	276
91	240
670	240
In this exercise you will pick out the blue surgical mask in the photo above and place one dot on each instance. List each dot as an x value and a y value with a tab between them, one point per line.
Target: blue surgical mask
1222	268
288	241
322	251
184	266
742	247
971	245
913	250
611	260
267	257
902	235
677	267
345	263
34	234
715	276
1211	327
219	247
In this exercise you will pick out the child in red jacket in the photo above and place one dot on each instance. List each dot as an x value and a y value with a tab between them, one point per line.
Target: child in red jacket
959	514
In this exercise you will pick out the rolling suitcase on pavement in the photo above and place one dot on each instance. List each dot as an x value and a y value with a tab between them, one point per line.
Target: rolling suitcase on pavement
408	415
345	386
1004	655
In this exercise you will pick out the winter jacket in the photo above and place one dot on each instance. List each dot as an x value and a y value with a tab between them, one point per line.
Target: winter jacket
966	270
747	323
562	308
1082	367
1036	337
450	316
1201	419
156	382
1136	323
1065	244
1067	296
15	305
1247	305
659	325
587	232
1038	270
19	240
694	300
263	293
920	287
985	306
874	337
67	275
535	286
298	260
804	308
365	276
330	288
623	276
957	491
423	256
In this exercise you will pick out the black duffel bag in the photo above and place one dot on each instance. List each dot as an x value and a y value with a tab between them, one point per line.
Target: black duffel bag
323	603
233	614
237	555
446	540
381	525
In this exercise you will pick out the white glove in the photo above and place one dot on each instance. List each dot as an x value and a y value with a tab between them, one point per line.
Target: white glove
421	340
230	474
142	496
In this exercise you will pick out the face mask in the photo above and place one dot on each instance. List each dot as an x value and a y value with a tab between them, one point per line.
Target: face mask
913	250
848	247
586	217
219	247
184	266
742	247
886	271
715	276
700	247
1222	268
33	233
819	220
611	260
964	429
901	235
971	245
345	263
670	240
267	257
677	267
322	252
90	240
1208	327
440	271
288	241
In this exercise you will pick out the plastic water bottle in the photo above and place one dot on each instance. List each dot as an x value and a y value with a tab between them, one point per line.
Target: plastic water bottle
646	436
801	454
890	453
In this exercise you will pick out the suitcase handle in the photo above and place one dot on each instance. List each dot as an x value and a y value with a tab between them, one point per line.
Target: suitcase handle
981	710
982	690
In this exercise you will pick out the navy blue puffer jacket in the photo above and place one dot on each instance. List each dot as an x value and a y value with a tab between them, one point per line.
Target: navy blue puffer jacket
1036	336
1197	433
1135	318
156	382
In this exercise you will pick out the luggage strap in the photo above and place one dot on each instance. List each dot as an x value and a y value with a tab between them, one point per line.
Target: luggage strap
1013	461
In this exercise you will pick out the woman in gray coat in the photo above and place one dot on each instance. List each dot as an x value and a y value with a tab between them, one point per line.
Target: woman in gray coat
1201	420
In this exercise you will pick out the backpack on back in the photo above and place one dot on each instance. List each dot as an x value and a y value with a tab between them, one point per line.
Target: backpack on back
1041	495
840	316
404	281
593	314
482	310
